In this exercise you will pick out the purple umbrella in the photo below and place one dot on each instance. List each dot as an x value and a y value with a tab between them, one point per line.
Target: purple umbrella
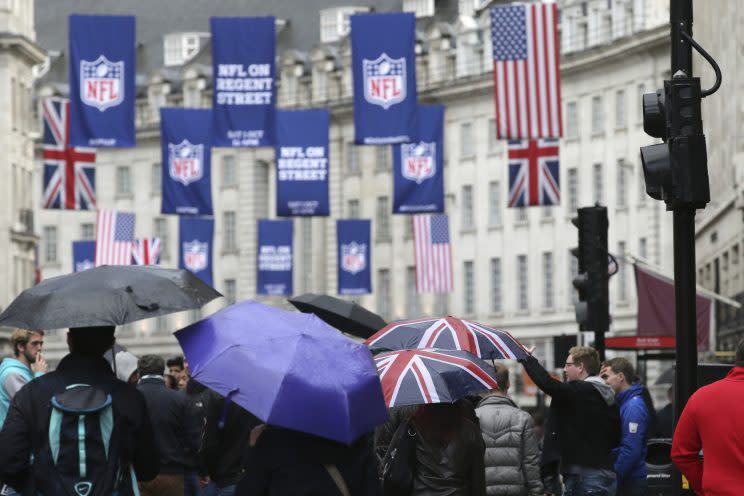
289	369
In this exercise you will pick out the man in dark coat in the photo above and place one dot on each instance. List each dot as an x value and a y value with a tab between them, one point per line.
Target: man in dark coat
28	419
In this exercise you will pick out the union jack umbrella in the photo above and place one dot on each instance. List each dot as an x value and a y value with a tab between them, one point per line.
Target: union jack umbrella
415	377
449	333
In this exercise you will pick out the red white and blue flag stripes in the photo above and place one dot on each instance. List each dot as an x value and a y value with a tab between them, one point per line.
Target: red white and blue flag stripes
534	174
69	173
448	333
146	251
415	377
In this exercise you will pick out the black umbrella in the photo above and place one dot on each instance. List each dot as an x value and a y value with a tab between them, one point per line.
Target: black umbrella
107	296
345	316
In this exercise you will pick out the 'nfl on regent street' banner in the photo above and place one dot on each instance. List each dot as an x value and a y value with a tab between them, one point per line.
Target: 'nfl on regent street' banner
354	256
274	258
418	177
186	151
244	97
195	244
102	69
384	72
302	162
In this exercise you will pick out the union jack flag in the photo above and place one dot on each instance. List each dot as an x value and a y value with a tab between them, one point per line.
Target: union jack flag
415	377
449	333
69	173
534	177
526	77
146	251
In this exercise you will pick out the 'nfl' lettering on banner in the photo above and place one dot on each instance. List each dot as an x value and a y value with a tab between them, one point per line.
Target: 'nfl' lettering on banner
195	255
353	257
185	162
418	161
101	83
385	81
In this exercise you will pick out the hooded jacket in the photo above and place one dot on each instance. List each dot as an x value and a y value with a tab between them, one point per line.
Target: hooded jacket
630	461
14	374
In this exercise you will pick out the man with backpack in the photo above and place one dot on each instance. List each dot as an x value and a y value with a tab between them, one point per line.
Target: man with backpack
78	431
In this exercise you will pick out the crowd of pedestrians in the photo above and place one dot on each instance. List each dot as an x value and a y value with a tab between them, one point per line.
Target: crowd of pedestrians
149	429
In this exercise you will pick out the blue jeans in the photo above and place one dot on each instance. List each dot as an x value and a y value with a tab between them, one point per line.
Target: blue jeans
226	491
589	483
632	487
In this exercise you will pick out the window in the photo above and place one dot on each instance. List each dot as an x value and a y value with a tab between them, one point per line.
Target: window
622	291
573	271
441	307
597	115
641	89
493	143
548	283
383	219
352	209
620	110
641	187
230	291
335	22
496	285
180	48
642	249
572	120
547	212
522	301
422	8
383	293
620	184
466	140
123	181
352	158
160	230
50	244
521	215
598	184
467	207
412	300
320	84
494	204
87	231
229	237
382	158
469	288
156	179
573	190
229	176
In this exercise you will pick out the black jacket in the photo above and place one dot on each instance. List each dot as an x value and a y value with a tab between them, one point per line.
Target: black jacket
198	397
176	431
587	425
286	462
28	419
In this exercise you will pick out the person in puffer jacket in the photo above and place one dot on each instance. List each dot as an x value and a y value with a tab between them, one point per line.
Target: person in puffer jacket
512	457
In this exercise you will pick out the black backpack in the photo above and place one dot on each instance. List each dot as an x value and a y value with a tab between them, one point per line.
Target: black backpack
82	452
399	463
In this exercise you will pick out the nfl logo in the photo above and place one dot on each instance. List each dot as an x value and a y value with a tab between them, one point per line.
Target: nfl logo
84	265
101	83
418	161
195	255
384	81
353	258
185	162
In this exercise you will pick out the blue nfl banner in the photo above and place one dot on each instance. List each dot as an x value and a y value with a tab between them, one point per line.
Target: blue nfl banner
302	162
274	258
384	72
244	97
195	246
83	255
102	69
418	177
186	146
354	256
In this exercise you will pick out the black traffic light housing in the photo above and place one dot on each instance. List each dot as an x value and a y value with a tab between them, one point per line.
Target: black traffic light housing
592	282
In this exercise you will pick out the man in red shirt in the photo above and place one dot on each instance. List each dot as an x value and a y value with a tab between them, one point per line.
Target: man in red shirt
712	422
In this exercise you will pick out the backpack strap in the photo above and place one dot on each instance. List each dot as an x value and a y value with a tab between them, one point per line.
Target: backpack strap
337	478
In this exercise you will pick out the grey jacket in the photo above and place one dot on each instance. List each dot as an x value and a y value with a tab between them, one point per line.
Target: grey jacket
512	456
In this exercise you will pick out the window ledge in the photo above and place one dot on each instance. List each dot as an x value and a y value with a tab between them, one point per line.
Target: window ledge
353	173
521	223
468	230
51	265
571	139
496	227
547	311
468	157
379	170
598	134
621	129
496	315
621	208
124	196
383	238
229	186
547	220
230	251
522	313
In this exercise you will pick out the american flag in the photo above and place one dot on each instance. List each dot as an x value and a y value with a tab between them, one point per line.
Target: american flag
146	251
534	177
432	253
114	237
69	173
527	86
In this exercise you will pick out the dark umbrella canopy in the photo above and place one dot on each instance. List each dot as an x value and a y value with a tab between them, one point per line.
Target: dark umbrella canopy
345	316
107	295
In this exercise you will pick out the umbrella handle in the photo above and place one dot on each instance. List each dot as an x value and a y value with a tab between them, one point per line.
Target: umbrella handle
223	416
147	307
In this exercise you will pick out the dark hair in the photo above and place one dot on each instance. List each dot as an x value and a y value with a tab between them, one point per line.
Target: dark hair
151	365
623	365
502	376
740	353
176	361
586	356
170	381
91	340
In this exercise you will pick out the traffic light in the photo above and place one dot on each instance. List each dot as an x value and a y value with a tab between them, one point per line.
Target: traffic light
592	282
676	171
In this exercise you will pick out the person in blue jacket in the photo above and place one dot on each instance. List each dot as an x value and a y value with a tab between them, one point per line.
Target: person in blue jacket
630	456
25	364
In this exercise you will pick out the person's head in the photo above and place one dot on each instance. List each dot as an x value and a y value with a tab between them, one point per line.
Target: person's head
739	360
170	381
176	366
183	381
126	367
502	377
581	363
151	365
90	340
27	344
618	373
